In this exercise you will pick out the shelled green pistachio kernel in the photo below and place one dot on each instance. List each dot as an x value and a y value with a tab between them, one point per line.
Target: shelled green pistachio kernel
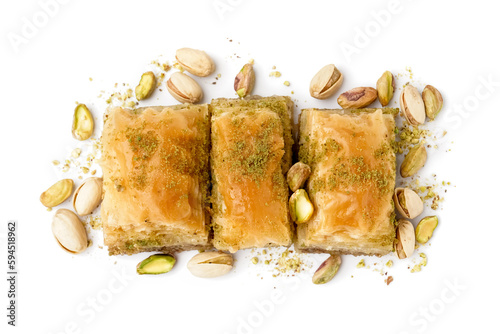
244	80
156	264
57	193
327	270
146	86
414	160
301	208
83	123
425	229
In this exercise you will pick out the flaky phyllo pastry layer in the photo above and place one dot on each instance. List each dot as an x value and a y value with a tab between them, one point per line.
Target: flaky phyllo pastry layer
251	151
352	182
156	178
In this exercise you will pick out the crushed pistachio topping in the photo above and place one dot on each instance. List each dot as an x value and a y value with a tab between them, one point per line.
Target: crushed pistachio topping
423	263
361	264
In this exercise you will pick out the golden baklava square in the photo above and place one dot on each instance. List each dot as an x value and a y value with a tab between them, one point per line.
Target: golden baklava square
351	154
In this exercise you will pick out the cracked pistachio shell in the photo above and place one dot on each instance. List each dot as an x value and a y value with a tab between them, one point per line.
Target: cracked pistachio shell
301	208
184	88
57	193
414	160
210	264
359	97
412	105
244	80
326	82
83	123
425	229
405	239
327	270
88	196
69	231
146	86
386	86
433	101
408	203
156	264
297	175
194	61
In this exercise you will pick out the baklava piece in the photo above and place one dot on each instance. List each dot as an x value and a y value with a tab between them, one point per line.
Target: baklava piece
156	179
351	153
251	151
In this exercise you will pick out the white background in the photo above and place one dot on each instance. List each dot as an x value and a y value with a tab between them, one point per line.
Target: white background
452	45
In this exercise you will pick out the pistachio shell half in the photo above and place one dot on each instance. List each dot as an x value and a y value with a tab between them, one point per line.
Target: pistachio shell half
385	88
146	86
184	88
88	196
327	270
433	101
405	239
301	208
425	229
359	97
326	82
412	105
69	231
83	123
156	264
196	62
210	264
408	203
57	193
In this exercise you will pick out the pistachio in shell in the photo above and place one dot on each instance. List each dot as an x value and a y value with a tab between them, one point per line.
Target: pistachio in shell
408	203
69	231
326	82
405	239
184	88
88	196
412	105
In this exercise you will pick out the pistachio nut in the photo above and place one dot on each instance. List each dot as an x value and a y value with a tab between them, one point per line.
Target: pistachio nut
408	203
184	88
326	82
386	86
88	196
425	229
297	175
196	62
327	270
414	160
405	239
57	193
301	208
433	101
359	97
156	264
412	105
146	86
69	231
210	264
83	123
244	80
